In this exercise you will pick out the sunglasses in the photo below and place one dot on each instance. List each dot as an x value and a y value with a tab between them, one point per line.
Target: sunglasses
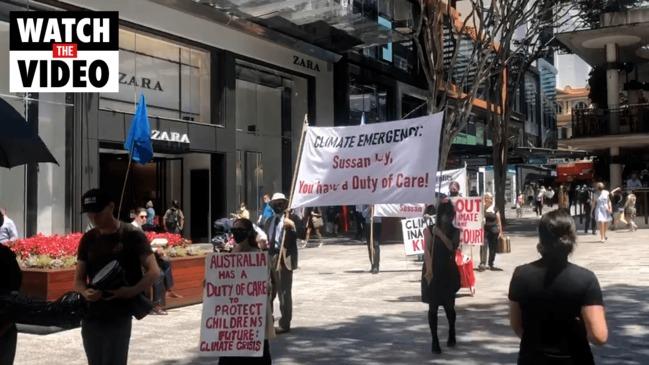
142	216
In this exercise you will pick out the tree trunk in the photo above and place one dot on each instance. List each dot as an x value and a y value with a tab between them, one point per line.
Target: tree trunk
500	176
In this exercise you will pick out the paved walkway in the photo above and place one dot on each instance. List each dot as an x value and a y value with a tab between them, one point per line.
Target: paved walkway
344	315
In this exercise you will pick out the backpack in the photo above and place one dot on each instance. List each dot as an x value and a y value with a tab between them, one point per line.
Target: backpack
171	220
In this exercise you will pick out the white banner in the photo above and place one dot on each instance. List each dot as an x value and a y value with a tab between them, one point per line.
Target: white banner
234	304
392	162
413	235
469	218
417	210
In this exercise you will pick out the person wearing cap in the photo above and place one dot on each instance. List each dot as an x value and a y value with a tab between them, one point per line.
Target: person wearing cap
280	227
106	329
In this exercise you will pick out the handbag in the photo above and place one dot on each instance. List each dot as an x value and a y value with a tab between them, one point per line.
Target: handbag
504	245
112	277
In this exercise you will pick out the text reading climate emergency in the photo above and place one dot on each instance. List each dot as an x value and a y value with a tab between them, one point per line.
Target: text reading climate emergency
64	51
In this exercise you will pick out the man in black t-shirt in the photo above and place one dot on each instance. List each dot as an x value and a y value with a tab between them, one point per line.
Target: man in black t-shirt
106	330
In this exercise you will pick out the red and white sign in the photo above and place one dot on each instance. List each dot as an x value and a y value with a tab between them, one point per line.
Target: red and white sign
235	300
469	217
413	235
444	179
391	162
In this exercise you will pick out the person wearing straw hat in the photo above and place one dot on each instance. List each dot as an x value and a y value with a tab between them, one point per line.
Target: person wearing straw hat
282	248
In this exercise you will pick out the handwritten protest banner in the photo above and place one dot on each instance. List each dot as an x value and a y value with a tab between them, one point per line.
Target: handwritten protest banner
413	235
444	179
469	218
234	304
392	162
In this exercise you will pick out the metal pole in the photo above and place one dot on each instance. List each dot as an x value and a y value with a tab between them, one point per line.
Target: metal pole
296	168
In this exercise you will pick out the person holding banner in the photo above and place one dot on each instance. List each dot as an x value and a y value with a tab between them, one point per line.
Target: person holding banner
440	276
492	230
281	231
245	235
373	236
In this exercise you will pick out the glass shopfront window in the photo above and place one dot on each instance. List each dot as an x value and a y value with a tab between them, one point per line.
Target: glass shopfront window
174	78
368	99
35	199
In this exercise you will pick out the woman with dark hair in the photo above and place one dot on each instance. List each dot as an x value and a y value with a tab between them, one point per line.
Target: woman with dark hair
440	276
556	307
245	235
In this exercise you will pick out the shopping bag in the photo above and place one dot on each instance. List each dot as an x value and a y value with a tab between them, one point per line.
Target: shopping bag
504	245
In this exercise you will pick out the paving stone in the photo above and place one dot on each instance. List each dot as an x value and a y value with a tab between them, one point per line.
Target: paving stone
345	315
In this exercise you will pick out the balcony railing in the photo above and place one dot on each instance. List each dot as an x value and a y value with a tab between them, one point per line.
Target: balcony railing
595	122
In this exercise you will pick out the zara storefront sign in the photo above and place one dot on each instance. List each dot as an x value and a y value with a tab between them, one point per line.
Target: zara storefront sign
305	63
165	136
60	52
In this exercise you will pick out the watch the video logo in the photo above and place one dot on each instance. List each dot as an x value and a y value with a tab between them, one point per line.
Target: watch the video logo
74	51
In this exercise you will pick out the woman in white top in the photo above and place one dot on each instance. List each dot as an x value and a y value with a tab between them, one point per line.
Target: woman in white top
603	210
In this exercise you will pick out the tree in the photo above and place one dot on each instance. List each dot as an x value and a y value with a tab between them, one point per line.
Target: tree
503	38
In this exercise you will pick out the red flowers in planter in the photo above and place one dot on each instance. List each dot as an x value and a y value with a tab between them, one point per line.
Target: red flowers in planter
173	239
55	246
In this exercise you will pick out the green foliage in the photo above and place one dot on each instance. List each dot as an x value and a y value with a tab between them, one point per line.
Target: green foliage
597	84
591	10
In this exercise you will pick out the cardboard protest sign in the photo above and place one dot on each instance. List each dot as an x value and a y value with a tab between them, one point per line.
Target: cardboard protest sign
392	162
444	179
235	298
469	218
413	235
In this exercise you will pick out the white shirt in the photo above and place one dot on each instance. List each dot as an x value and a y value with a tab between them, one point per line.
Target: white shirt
275	230
8	230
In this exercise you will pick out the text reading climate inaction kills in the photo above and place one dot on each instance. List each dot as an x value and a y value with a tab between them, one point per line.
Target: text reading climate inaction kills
63	51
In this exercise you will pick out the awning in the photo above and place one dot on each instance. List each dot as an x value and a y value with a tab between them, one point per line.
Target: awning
336	26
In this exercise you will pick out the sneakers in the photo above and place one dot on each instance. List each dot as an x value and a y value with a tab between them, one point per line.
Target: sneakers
493	268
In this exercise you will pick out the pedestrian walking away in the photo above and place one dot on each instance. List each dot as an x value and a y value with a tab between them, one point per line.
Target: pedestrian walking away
174	219
106	329
440	276
556	307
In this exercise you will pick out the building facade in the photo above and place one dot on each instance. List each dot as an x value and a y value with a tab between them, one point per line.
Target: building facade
226	108
616	128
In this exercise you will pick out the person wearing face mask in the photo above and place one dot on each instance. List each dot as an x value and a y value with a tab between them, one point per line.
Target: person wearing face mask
282	227
246	237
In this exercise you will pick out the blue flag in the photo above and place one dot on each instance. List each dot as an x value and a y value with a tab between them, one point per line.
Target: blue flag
138	141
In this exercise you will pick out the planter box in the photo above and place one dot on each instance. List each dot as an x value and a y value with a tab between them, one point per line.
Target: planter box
50	284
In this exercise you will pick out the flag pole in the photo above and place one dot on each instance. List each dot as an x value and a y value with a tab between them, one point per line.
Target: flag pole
296	167
128	169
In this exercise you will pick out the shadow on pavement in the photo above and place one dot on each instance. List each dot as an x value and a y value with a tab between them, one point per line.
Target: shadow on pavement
484	336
